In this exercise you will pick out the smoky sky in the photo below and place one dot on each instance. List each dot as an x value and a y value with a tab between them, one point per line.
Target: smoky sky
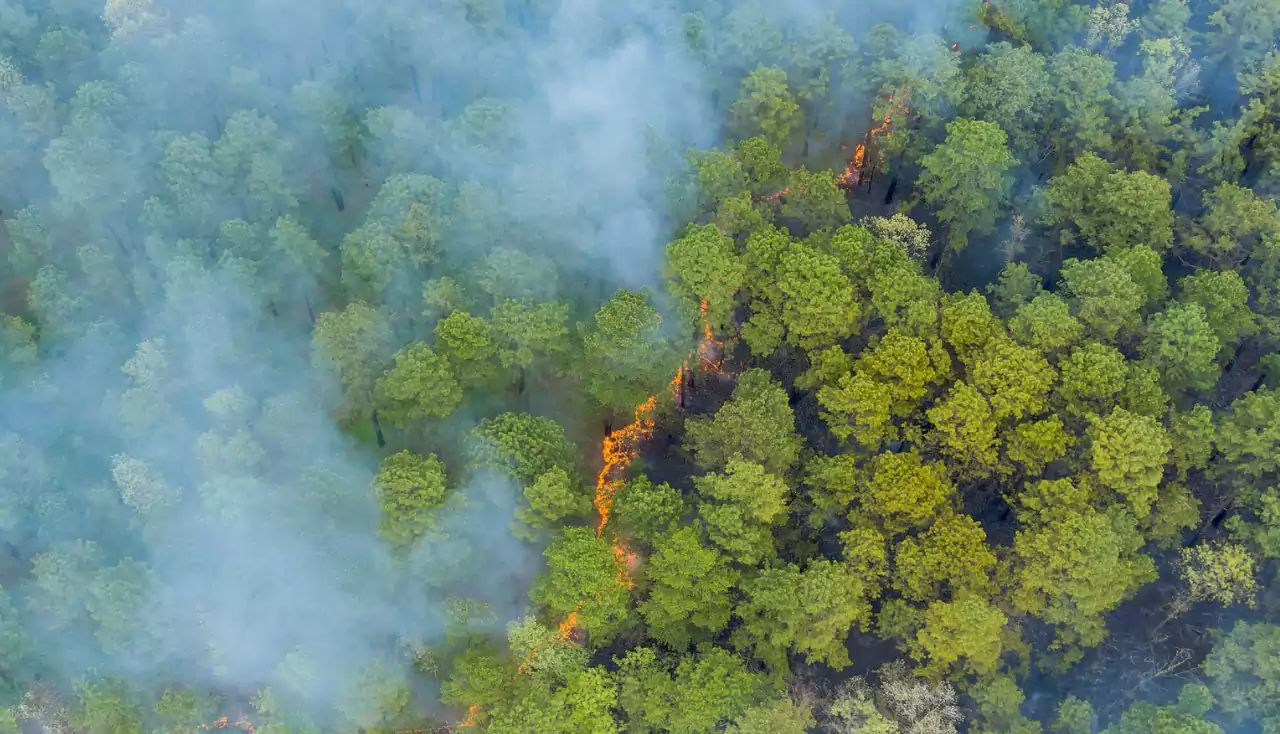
177	437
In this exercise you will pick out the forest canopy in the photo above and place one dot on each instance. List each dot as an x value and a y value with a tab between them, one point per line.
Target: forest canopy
682	366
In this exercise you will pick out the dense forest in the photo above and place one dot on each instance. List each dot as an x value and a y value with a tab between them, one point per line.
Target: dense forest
537	366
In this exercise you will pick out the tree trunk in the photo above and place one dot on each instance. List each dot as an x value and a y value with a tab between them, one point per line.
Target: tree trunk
413	79
310	311
377	430
893	189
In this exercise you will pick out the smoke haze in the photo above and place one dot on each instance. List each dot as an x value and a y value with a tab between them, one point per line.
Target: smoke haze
234	522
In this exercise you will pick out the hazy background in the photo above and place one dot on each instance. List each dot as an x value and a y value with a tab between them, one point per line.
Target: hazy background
206	522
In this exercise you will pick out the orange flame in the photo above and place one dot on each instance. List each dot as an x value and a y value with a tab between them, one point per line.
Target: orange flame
852	175
677	385
620	448
709	349
472	710
565	631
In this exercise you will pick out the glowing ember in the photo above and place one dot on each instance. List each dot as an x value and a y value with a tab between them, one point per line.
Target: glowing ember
955	46
775	196
677	385
709	349
224	722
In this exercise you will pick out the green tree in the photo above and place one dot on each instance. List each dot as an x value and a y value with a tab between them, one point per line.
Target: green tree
1109	209
1072	564
718	175
1045	323
104	706
999	701
1077	113
1225	299
1249	433
1181	346
1186	716
1093	375
1146	267
689	589
964	429
353	345
704	691
858	406
906	368
800	295
756	424
780	716
529	335
766	107
383	260
966	178
1222	572
1236	220
418	387
967	323
410	489
184	709
551	498
1015	379
949	559
545	652
740	507
1242	33
1008	85
702	267
814	200
522	446
1192	434
967	628
762	161
61	579
1128	453
466	342
1075	716
1103	296
810	611
905	492
627	356
585	575
1014	287
1242	673
643	509
1035	444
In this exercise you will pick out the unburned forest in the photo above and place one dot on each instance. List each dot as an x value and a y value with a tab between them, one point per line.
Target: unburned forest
691	366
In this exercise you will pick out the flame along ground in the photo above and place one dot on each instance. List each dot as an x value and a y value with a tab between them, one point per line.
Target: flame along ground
620	448
853	171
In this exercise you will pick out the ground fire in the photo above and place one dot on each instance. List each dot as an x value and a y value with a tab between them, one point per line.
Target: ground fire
620	448
856	170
